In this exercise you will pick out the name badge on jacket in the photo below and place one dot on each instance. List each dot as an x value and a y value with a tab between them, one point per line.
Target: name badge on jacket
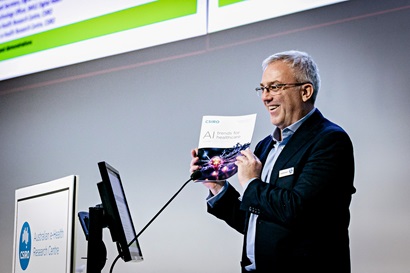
286	172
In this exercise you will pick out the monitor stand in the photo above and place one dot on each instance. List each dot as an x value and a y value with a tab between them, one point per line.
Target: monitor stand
96	251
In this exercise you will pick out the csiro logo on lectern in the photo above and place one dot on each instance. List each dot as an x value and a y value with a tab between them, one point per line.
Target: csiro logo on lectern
25	246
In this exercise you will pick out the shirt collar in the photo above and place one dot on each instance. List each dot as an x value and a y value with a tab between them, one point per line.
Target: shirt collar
291	129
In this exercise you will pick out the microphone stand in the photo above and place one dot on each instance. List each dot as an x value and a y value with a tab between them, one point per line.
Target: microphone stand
194	176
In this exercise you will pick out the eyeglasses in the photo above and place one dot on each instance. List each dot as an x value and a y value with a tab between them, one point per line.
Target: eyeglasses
275	88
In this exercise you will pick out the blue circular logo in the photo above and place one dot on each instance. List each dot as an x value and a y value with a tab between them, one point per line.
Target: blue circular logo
25	246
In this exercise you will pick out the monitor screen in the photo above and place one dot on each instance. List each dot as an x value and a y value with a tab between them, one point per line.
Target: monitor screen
44	227
117	213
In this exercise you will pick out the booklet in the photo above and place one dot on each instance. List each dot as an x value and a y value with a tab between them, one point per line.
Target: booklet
220	142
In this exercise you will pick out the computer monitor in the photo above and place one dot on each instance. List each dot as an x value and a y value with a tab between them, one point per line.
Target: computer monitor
117	213
113	213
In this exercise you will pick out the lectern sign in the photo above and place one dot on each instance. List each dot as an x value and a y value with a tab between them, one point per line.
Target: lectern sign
44	227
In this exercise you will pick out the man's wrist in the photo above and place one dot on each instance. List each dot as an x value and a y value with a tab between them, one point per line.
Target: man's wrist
218	186
244	186
213	198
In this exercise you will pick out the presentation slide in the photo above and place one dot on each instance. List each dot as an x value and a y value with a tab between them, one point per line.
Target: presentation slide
225	14
27	17
38	35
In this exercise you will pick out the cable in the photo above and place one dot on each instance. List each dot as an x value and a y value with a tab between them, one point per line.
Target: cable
194	176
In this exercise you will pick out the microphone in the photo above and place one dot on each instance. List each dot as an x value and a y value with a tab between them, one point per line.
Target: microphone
194	176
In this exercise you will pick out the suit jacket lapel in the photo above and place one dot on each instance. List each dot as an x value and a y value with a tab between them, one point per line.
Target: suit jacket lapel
264	148
304	134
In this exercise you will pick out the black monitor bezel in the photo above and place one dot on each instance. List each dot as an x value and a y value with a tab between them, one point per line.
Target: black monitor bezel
112	215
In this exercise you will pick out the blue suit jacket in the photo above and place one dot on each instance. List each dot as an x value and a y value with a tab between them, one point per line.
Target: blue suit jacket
304	209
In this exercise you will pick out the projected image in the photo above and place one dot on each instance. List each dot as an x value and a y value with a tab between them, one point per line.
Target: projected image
38	35
24	18
224	14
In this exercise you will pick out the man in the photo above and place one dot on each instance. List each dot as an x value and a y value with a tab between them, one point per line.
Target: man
297	185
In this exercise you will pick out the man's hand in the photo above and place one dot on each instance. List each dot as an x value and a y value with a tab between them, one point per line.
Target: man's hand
249	166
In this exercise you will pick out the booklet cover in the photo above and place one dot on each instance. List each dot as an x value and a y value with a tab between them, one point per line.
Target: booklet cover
220	142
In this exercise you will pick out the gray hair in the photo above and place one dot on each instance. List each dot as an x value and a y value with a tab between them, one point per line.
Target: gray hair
304	67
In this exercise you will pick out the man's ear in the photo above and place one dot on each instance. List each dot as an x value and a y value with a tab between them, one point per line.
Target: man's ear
306	92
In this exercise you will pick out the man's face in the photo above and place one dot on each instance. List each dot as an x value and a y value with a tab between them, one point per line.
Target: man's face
285	106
